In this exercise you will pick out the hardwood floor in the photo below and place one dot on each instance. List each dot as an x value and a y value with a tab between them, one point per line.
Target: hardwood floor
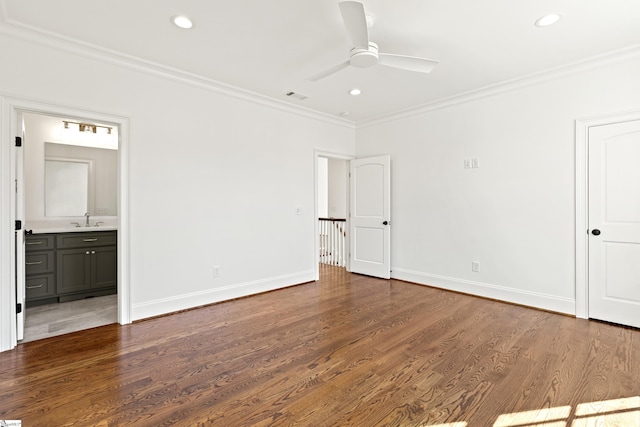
49	320
346	351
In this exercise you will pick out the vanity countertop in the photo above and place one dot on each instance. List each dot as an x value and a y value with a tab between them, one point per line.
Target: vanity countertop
46	230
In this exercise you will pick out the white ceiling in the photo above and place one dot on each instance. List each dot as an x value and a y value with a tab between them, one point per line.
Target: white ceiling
271	47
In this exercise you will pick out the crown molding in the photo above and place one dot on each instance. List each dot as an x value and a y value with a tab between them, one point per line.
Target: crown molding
625	54
35	35
57	41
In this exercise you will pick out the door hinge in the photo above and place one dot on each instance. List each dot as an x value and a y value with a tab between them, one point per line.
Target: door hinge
18	224
19	308
18	141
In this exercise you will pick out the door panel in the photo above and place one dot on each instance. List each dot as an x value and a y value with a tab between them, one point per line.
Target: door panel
370	209
368	248
614	214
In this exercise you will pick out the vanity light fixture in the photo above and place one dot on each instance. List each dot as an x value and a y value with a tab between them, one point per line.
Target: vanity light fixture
86	127
548	20
182	21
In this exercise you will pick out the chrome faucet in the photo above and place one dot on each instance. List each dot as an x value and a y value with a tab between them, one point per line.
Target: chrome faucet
87	223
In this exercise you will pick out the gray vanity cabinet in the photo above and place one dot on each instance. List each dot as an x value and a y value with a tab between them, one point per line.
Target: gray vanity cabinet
86	264
69	266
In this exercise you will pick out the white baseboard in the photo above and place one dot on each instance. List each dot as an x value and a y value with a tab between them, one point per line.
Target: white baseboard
501	293
195	299
517	296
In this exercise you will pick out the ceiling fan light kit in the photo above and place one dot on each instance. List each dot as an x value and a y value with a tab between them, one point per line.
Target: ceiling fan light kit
365	53
364	58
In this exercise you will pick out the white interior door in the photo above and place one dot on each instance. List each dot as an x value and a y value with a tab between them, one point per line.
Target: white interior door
19	235
370	219
614	223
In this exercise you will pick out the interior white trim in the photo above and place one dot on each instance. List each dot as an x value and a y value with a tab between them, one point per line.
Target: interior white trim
316	232
582	201
225	293
8	130
81	48
487	290
511	85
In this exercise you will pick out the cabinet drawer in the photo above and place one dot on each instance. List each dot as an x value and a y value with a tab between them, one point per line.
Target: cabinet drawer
40	286
39	242
85	240
38	262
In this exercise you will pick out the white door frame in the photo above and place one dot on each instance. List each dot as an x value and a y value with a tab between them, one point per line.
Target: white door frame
9	108
582	202
316	237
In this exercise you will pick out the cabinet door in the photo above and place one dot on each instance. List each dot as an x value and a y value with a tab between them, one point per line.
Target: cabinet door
104	267
73	271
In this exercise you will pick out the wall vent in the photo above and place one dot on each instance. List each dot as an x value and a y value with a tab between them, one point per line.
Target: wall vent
298	96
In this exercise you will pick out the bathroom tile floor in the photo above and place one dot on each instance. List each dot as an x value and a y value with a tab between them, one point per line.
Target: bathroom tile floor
57	319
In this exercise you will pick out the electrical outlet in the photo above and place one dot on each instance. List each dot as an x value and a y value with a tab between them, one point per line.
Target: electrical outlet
475	266
216	271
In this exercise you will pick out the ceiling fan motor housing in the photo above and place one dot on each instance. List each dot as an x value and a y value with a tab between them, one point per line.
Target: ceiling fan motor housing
364	58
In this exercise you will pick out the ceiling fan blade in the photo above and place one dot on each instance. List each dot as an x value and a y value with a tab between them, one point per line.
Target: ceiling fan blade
330	71
355	22
410	63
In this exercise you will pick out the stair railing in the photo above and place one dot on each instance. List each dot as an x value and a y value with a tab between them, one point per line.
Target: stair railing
333	237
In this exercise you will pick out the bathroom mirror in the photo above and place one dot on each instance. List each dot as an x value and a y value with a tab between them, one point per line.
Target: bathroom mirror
80	180
66	187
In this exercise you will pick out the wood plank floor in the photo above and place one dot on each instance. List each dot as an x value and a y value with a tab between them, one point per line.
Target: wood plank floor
347	351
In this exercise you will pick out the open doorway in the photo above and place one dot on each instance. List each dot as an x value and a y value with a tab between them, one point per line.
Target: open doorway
70	169
12	260
332	209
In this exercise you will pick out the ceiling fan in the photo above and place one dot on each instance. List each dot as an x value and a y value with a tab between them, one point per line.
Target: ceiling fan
365	53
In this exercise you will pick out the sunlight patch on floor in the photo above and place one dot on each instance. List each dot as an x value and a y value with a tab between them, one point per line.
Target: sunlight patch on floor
458	424
623	412
611	413
536	417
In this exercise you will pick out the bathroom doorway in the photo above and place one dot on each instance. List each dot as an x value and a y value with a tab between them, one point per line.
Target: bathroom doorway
12	313
70	186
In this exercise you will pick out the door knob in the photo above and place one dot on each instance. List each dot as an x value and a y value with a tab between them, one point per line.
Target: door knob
385	222
595	232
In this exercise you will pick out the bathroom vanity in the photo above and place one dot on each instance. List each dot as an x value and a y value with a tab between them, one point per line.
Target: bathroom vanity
66	266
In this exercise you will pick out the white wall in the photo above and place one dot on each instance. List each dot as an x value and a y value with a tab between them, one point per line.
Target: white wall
323	187
214	180
337	171
514	214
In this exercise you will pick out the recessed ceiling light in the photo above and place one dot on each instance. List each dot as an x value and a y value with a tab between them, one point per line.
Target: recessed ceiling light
182	21
548	20
355	91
